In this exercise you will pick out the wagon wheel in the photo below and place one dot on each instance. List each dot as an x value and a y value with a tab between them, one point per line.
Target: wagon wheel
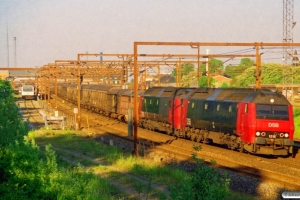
169	130
194	138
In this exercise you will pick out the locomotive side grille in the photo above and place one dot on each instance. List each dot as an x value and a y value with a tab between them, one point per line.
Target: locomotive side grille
236	96
201	95
223	94
167	94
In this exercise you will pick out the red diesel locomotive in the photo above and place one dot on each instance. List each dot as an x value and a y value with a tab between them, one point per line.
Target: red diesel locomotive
256	121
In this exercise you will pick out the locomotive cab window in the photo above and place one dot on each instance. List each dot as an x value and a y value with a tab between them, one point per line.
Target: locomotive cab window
267	111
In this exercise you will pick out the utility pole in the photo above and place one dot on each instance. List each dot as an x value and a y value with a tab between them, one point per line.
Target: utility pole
288	25
207	68
15	39
7	46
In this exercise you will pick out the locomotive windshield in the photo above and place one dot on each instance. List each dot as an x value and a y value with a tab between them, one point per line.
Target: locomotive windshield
27	89
267	111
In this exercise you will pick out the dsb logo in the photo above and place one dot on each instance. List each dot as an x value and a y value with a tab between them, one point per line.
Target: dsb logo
273	125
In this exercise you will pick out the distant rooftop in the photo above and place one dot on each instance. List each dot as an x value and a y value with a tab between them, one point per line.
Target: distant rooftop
22	73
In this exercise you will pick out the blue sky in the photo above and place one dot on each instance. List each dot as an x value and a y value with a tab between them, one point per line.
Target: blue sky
49	30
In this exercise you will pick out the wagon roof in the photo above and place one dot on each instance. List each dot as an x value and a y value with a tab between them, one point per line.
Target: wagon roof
116	91
68	84
101	87
86	86
154	91
239	95
131	92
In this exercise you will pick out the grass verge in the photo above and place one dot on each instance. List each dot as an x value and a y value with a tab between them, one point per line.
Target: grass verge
141	177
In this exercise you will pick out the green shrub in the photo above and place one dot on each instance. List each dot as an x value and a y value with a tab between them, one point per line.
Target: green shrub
25	173
11	125
296	112
297	123
204	183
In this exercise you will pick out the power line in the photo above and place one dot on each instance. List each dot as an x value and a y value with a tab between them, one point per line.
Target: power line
240	51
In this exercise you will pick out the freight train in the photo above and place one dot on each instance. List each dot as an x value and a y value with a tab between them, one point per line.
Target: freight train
258	121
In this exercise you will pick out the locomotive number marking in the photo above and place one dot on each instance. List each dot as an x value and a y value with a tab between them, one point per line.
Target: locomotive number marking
272	136
273	125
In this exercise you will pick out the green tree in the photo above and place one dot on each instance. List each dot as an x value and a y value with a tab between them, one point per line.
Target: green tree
271	73
186	68
245	79
215	66
203	81
189	79
247	62
225	85
233	71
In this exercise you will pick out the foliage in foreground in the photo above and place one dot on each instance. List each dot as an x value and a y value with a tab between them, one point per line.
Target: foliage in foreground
26	174
204	183
11	125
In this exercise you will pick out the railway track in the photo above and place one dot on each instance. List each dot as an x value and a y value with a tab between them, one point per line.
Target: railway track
30	112
164	148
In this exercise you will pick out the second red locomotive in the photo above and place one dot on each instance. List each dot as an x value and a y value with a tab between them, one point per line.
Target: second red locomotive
257	121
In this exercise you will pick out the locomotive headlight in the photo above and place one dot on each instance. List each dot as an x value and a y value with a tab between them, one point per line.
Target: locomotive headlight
263	134
281	134
286	135
257	133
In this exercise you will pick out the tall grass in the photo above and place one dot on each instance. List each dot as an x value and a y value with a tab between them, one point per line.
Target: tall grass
297	123
119	165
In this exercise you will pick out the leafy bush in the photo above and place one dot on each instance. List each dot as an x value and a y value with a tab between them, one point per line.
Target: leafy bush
297	124
204	183
25	173
11	125
296	112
